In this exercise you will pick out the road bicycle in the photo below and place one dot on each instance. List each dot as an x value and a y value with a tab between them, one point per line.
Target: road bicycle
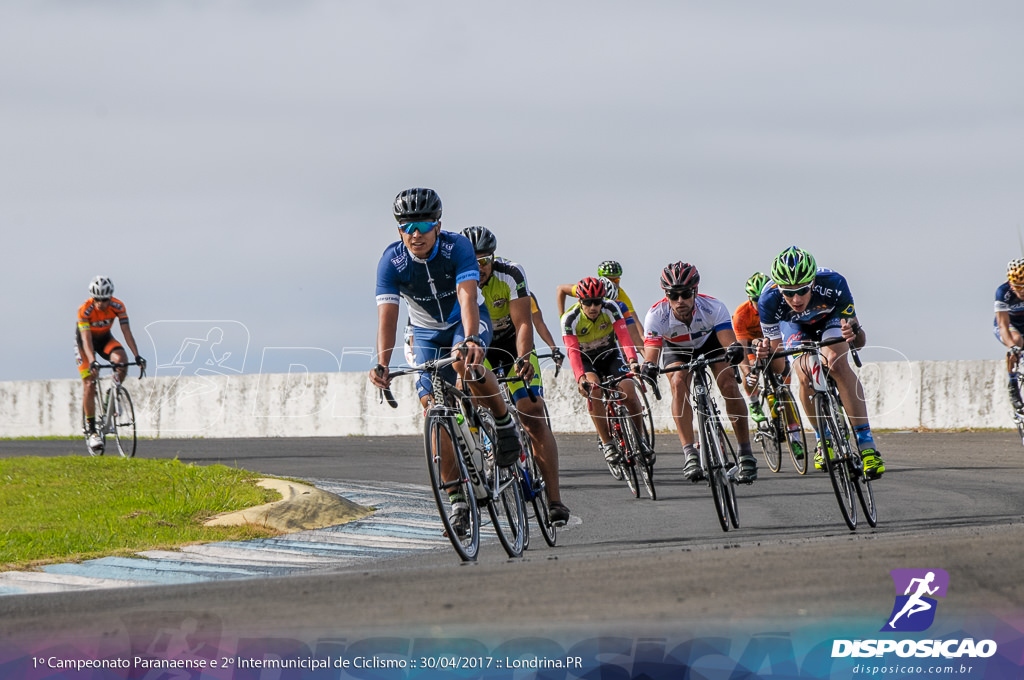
114	411
1018	417
841	457
633	465
718	462
782	423
455	424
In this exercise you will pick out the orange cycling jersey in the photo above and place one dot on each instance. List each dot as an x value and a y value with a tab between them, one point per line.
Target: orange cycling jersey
747	323
99	322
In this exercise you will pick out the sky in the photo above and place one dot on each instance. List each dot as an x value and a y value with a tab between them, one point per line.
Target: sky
231	165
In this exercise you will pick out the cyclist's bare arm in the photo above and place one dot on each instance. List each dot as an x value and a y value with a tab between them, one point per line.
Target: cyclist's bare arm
467	292
564	291
522	319
1007	334
542	329
129	339
387	331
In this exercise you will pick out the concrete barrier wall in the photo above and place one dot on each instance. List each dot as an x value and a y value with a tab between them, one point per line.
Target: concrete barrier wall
900	395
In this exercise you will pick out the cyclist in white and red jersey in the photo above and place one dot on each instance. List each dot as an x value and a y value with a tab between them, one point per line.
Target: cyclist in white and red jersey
1009	324
684	325
594	332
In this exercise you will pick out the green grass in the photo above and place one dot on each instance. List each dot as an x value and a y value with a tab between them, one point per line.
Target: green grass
74	508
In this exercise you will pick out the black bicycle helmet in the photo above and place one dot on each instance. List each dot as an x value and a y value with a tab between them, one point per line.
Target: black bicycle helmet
413	205
482	238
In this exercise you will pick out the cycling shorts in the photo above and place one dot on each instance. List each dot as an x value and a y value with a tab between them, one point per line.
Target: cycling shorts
502	355
430	344
794	334
678	354
605	364
103	346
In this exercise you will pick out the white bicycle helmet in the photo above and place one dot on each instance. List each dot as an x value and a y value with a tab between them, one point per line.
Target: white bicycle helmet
101	287
612	291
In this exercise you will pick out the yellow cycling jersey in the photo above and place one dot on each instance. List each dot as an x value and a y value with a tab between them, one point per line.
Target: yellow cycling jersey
594	336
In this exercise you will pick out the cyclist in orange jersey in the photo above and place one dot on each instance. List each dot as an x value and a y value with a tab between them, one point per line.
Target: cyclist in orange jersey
747	324
93	336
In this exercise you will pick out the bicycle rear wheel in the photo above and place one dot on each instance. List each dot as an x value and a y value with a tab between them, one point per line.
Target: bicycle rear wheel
538	497
124	423
796	437
836	459
642	470
712	458
506	505
439	433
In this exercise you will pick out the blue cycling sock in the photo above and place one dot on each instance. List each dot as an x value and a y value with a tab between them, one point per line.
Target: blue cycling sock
864	438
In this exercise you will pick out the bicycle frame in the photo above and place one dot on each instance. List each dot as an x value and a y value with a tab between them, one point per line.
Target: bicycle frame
718	466
114	411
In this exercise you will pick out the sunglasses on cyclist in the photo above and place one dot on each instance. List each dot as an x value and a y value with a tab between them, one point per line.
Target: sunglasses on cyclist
485	260
590	302
422	227
793	292
683	294
100	299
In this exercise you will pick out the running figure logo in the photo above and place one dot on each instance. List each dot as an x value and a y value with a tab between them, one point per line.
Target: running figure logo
914	610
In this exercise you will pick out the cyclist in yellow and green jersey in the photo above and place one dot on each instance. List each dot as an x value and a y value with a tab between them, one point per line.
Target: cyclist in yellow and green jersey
508	299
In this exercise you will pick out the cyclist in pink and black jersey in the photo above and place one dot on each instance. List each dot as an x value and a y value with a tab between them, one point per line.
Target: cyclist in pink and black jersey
595	337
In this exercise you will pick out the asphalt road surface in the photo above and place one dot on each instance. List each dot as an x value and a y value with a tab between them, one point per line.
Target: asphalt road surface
949	500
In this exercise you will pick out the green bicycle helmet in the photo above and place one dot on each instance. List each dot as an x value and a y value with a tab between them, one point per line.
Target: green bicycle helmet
793	267
609	268
755	284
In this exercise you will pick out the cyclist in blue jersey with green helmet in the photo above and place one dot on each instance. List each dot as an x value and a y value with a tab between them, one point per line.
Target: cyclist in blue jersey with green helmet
803	302
437	275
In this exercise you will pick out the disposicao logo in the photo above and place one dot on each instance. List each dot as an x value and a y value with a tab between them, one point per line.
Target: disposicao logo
912	612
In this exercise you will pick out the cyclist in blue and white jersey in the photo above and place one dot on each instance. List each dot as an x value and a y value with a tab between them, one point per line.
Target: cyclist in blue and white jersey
680	327
1009	324
437	274
803	302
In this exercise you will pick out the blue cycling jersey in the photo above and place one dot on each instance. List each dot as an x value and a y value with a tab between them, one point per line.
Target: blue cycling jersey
830	299
428	286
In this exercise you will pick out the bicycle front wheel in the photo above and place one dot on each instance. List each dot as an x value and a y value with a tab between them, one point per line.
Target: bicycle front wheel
731	464
538	496
713	463
647	415
439	435
836	459
792	427
124	423
643	471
